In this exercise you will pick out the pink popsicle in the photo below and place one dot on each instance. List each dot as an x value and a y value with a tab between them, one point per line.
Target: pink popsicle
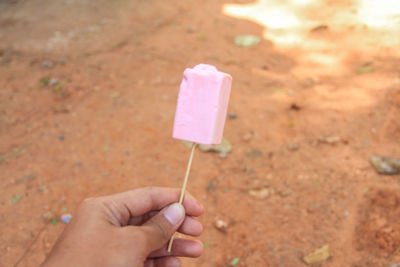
202	105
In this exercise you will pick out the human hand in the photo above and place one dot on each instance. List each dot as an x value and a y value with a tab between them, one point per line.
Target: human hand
130	229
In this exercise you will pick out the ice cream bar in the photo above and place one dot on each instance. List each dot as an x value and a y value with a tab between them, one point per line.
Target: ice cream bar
202	105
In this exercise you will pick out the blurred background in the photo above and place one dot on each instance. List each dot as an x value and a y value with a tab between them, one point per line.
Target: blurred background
87	99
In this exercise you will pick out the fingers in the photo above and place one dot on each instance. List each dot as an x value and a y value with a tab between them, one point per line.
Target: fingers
141	201
180	248
160	228
190	225
169	261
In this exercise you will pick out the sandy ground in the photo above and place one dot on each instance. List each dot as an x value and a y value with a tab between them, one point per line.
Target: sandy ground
314	100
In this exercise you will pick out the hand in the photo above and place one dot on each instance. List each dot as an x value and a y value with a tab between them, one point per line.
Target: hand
130	229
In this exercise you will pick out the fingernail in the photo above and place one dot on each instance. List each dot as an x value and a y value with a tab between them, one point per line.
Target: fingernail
174	213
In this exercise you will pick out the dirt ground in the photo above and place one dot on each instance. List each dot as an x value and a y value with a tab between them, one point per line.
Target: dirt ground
87	101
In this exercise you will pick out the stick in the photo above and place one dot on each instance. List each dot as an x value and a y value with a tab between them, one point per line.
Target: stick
184	187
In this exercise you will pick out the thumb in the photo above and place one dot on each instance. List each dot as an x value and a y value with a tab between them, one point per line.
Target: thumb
162	226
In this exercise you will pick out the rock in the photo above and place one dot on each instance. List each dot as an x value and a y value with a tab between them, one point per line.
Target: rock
65	218
395	265
385	165
330	139
285	193
294	106
47	215
53	81
232	116
211	185
220	225
319	255
42	188
191	29
47	64
247	137
293	146
259	193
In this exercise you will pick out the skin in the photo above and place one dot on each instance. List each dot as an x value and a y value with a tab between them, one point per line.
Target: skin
129	229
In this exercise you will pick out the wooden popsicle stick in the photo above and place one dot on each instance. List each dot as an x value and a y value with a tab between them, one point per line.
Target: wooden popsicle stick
184	187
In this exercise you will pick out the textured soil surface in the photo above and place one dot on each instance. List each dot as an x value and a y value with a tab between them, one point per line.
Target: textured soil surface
87	100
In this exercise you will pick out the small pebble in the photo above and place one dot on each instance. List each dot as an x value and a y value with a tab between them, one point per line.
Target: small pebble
220	225
53	81
247	137
285	193
65	218
61	138
385	165
232	116
47	215
295	106
330	139
290	92
191	29
211	185
259	193
42	188
293	146
47	64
